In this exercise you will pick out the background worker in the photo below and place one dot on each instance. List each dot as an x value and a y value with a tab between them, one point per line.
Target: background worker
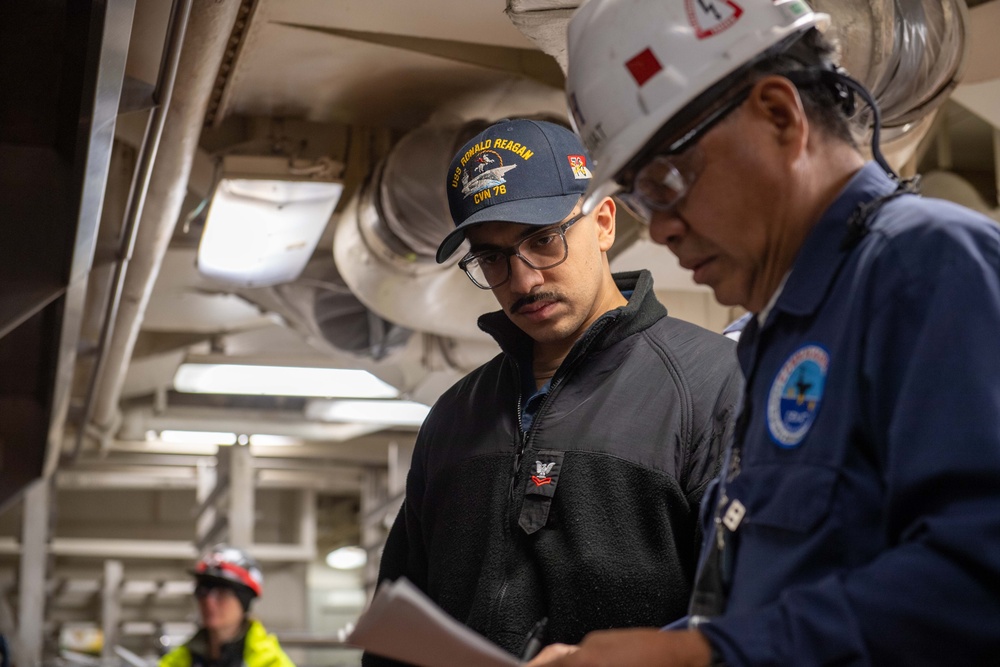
857	520
561	479
227	581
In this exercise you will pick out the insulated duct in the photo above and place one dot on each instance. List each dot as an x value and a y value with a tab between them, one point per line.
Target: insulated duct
320	306
388	234
909	53
347	325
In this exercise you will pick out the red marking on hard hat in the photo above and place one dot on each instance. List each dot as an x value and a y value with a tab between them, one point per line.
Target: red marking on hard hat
710	17
644	66
243	575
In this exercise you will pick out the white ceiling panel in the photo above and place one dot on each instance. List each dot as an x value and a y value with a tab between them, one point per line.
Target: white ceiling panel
181	301
286	70
476	22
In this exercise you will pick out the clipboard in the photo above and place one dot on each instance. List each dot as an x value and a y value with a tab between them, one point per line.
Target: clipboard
402	623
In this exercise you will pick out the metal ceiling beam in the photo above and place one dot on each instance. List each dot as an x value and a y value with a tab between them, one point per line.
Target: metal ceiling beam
526	62
152	549
326	480
356	449
137	422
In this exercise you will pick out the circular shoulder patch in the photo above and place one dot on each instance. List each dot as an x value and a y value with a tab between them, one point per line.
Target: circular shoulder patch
795	395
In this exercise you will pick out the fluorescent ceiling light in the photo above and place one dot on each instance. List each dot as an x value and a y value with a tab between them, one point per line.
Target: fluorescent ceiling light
389	413
198	437
346	598
280	381
347	558
274	440
261	232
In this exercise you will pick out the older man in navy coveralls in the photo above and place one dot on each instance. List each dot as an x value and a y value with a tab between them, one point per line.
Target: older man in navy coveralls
857	519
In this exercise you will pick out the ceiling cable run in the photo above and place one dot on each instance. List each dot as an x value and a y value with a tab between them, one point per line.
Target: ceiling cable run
216	103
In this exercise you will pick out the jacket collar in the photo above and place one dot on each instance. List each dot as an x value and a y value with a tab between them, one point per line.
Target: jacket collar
821	256
198	645
641	311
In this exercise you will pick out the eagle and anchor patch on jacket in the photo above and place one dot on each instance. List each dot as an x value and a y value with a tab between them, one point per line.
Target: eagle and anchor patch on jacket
539	490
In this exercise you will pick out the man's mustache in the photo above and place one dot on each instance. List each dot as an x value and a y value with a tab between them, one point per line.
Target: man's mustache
525	301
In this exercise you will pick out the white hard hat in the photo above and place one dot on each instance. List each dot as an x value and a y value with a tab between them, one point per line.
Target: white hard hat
634	64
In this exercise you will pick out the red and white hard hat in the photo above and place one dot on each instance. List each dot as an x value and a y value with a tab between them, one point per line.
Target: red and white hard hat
634	64
231	565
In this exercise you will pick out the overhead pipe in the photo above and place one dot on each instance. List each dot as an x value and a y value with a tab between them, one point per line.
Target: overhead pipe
910	54
388	233
162	92
197	42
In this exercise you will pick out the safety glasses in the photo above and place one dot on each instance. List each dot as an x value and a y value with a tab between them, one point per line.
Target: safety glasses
661	182
543	249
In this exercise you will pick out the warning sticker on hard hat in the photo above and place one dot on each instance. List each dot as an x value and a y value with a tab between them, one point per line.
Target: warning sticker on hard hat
710	17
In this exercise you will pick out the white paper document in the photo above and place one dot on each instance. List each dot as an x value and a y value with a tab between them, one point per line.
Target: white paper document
404	624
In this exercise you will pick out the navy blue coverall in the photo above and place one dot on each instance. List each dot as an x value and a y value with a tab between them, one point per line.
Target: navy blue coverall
859	512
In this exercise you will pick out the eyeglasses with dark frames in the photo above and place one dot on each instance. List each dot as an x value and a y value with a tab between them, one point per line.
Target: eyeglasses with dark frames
544	249
660	184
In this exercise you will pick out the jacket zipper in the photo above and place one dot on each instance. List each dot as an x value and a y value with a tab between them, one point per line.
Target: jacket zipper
519	455
522	444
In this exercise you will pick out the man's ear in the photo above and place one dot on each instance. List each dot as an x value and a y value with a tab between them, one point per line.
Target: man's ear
605	217
776	100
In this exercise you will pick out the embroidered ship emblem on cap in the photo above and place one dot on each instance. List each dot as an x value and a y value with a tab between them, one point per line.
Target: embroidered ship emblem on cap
796	394
488	171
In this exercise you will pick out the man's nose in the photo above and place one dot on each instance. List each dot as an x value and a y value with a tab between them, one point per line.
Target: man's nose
523	278
666	227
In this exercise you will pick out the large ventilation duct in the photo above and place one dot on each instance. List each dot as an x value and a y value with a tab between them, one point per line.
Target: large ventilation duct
909	53
388	234
320	306
347	325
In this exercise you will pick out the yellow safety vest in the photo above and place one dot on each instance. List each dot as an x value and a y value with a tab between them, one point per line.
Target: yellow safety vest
259	650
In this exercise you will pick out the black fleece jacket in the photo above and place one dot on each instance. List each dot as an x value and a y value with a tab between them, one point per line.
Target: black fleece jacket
591	517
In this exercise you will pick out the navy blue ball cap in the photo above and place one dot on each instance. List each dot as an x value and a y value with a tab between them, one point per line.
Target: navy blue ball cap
524	171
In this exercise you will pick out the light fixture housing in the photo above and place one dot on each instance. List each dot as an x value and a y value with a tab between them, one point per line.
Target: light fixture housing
253	380
384	412
262	232
194	437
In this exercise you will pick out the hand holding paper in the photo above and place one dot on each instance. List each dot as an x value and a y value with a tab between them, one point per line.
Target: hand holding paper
404	624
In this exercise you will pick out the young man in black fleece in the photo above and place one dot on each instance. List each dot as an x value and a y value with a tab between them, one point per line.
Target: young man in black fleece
561	479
